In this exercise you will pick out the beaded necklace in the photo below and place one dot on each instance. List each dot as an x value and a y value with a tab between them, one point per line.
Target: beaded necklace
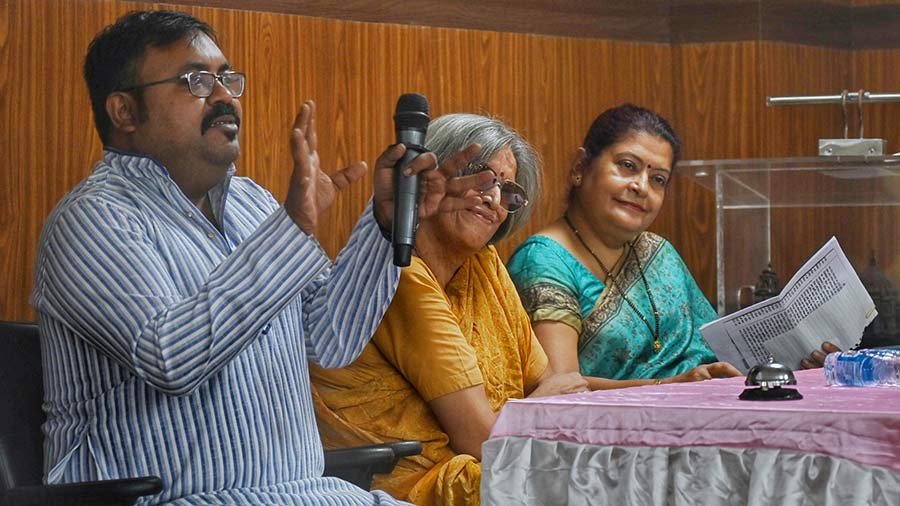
654	329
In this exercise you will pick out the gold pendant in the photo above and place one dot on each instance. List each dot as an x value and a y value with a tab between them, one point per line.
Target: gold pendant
656	346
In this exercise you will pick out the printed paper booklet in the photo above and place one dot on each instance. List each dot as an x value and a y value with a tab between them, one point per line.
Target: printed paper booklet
824	301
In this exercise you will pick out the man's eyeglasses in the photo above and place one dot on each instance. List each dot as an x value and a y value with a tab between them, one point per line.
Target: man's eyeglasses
512	196
202	83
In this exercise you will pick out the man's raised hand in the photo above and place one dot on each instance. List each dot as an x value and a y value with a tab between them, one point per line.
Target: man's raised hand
440	189
312	191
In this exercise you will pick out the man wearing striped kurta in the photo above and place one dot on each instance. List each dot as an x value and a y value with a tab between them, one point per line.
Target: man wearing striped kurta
178	303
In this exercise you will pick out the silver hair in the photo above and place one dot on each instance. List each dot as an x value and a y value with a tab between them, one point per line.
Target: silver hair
451	133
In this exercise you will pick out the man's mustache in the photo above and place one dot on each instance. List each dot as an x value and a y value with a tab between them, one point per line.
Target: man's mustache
219	109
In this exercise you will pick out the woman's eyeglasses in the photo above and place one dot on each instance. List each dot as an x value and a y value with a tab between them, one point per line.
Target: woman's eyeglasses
512	196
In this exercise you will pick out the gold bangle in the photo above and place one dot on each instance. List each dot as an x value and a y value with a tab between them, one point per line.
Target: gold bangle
657	382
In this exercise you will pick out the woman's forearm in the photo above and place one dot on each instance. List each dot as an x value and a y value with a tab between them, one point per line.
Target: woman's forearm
608	384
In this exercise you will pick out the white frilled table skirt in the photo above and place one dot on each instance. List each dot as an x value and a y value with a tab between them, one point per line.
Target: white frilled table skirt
696	443
552	473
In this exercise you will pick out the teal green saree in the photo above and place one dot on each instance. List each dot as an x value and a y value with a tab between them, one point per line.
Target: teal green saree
614	341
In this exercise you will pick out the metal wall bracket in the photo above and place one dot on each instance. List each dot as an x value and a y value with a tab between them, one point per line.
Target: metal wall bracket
844	147
851	147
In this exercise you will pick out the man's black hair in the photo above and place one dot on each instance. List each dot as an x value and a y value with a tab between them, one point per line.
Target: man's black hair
115	54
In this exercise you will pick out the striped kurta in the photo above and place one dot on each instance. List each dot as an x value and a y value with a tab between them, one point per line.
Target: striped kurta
178	349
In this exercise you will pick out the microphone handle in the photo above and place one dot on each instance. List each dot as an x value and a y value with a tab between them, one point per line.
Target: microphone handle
406	208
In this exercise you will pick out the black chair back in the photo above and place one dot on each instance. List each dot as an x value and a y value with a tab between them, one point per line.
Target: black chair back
21	439
21	395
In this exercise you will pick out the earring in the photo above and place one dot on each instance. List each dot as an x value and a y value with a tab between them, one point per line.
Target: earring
577	181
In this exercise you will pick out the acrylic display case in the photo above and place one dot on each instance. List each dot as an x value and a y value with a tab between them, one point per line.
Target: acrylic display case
788	207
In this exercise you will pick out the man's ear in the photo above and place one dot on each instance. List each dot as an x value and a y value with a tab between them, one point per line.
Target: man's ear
122	109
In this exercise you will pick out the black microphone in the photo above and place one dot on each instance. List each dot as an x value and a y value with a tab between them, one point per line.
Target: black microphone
411	123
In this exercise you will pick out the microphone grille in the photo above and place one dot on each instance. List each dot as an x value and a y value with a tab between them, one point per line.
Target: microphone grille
412	111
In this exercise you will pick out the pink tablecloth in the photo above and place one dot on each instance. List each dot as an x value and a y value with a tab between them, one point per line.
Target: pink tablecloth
859	424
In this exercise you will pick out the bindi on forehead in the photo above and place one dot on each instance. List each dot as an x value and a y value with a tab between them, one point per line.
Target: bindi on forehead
504	163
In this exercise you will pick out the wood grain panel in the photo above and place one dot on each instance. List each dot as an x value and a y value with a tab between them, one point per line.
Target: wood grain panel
717	114
876	2
794	131
875	229
48	142
718	99
549	88
875	26
735	20
810	22
807	22
788	69
877	71
861	232
636	20
767	69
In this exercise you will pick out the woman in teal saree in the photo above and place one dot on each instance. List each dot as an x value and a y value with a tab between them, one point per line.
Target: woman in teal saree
605	296
613	341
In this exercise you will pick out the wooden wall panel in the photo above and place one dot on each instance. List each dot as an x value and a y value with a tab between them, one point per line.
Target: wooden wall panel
788	69
547	87
717	104
716	94
796	233
877	71
861	231
48	141
794	131
636	20
550	88
729	119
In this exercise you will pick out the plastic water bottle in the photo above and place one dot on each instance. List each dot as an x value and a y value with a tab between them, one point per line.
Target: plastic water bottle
862	368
